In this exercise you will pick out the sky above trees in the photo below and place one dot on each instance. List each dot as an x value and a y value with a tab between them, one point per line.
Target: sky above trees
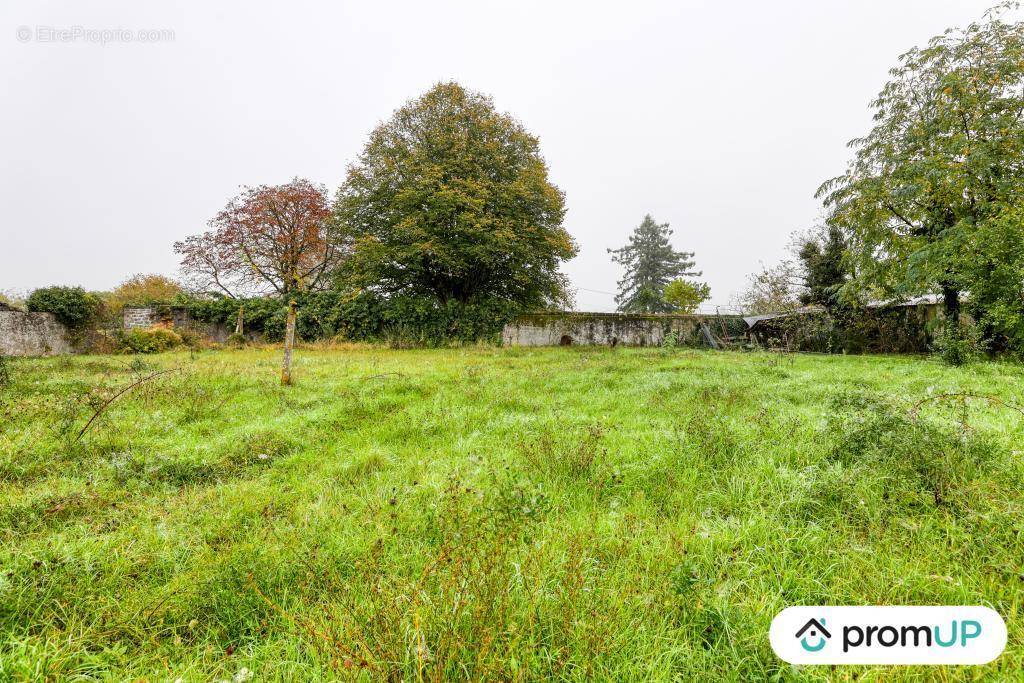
719	119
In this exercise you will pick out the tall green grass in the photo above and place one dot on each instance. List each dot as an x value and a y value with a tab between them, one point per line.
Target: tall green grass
509	514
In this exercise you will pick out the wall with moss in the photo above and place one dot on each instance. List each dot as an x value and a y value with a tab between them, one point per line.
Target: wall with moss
614	329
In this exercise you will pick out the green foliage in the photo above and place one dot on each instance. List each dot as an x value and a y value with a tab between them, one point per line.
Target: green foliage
847	329
191	338
650	264
941	163
152	340
824	270
73	306
996	279
236	340
958	344
5	372
450	202
142	290
363	317
896	462
686	296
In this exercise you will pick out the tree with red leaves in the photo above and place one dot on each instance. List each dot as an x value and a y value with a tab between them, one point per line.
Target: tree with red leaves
269	239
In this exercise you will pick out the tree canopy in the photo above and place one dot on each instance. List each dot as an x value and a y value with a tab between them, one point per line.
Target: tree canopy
269	239
450	200
650	264
774	289
141	290
941	165
685	296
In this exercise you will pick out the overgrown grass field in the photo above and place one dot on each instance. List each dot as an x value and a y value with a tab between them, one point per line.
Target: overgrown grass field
488	513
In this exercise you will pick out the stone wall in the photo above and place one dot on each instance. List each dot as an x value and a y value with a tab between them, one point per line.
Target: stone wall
148	316
613	329
32	334
178	318
134	317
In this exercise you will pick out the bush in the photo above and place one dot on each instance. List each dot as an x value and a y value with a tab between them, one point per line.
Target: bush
958	345
236	340
153	340
191	338
73	306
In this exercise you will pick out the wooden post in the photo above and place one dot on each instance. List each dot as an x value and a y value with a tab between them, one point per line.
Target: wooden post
289	341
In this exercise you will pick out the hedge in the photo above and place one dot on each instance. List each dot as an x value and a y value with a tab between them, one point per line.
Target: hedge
360	317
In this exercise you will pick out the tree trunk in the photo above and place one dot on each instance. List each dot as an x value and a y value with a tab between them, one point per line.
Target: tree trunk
951	302
289	342
239	322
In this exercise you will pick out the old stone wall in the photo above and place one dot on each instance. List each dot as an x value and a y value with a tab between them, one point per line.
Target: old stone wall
135	317
613	329
32	334
178	318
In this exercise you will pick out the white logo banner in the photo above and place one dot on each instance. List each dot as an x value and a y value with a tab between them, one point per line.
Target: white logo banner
888	635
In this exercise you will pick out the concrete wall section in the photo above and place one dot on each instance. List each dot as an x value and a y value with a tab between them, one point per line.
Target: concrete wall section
32	334
605	329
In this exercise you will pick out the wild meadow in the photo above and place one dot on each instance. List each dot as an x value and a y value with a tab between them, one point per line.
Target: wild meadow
493	513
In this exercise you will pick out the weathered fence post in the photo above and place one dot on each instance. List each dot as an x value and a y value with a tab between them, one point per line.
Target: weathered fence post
289	341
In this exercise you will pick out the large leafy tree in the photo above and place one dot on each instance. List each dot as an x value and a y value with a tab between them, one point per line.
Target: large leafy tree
141	290
942	161
269	239
650	263
450	201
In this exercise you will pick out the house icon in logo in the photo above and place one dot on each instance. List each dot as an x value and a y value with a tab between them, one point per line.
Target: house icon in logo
817	630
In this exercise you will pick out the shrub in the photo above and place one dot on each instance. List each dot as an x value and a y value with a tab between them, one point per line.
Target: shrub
958	345
105	342
191	338
73	306
153	340
887	461
236	340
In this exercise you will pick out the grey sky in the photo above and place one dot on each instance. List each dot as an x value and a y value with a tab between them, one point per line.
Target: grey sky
720	118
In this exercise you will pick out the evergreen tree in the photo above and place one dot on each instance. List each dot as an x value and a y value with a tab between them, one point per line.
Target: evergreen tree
650	263
824	272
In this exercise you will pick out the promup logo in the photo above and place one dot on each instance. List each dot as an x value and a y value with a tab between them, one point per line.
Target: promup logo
817	630
888	635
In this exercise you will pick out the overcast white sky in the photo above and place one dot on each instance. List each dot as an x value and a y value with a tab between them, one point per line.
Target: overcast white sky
720	118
